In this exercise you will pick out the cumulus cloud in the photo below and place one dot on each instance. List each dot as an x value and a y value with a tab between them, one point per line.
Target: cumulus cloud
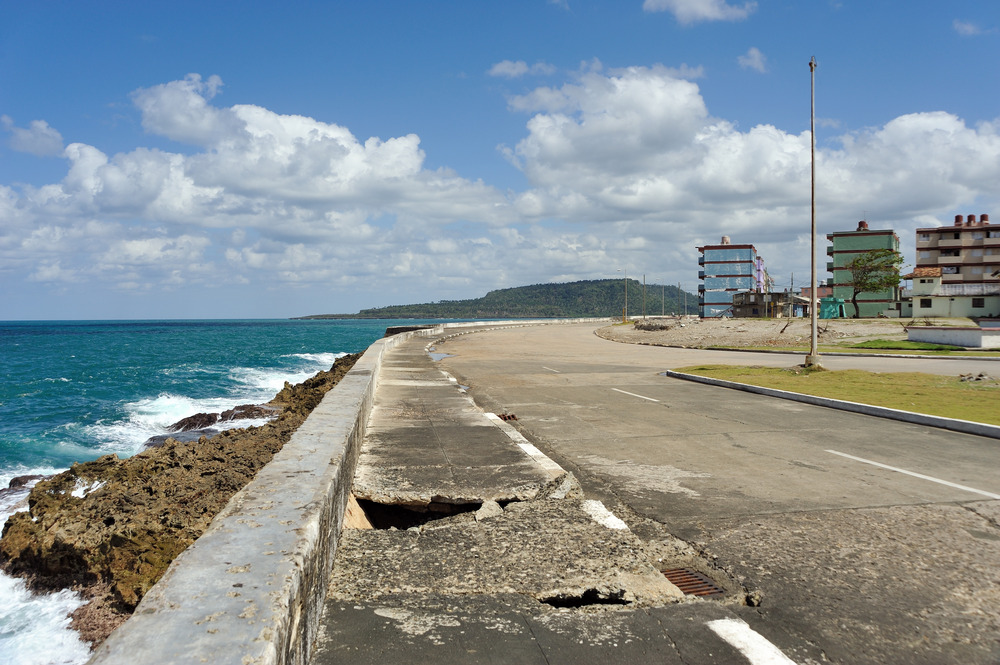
753	59
636	151
688	12
511	69
37	139
625	168
258	185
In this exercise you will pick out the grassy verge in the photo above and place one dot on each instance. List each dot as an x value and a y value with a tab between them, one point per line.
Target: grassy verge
827	348
910	391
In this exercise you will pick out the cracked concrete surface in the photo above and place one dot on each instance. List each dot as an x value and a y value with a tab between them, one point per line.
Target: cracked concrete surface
534	573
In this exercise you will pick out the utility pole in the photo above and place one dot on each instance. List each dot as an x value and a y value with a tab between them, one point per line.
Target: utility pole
812	360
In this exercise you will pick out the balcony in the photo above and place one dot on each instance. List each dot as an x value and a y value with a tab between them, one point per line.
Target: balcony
951	242
701	260
829	250
701	274
829	266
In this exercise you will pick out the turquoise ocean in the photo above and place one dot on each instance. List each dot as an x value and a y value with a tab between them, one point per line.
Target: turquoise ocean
75	390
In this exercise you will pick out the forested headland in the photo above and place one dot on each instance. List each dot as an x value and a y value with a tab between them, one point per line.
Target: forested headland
591	298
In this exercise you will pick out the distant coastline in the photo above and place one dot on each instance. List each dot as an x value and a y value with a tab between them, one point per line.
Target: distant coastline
590	298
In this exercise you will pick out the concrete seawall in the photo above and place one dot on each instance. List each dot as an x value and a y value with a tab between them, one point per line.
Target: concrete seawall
251	589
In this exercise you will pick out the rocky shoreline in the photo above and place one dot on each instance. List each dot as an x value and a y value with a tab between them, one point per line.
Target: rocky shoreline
109	528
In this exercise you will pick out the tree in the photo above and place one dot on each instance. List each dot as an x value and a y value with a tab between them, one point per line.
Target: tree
873	271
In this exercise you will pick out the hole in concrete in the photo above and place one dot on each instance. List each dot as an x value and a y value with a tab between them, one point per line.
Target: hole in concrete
388	516
589	597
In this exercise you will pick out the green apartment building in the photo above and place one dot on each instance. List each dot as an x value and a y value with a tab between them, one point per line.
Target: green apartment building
845	246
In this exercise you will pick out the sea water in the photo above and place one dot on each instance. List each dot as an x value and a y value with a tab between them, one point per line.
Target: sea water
74	391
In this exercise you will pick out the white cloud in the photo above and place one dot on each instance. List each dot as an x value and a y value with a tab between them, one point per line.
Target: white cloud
967	28
753	59
511	69
693	11
51	271
625	168
636	151
38	139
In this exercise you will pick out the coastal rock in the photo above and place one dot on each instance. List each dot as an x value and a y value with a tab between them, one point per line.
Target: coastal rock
193	435
197	421
111	527
202	421
20	481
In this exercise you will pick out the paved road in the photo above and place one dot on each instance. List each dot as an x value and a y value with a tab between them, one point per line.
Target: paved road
853	562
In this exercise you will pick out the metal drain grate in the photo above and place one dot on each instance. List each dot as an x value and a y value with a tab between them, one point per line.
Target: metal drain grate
692	583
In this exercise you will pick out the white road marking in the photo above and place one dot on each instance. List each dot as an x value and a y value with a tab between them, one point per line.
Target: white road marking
551	370
625	392
749	642
917	475
600	514
529	449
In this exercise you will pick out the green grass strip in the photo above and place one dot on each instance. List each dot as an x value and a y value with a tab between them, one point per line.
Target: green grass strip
931	394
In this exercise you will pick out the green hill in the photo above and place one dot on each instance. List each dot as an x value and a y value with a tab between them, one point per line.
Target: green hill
603	297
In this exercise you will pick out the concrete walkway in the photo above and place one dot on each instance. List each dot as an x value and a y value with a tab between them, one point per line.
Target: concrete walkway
486	551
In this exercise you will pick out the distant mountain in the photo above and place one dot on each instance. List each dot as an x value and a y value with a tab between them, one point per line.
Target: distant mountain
602	297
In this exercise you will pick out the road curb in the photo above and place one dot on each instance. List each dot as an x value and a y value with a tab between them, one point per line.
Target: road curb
953	424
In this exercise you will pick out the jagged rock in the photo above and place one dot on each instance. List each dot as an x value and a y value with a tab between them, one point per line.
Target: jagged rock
20	481
115	525
192	435
197	421
248	412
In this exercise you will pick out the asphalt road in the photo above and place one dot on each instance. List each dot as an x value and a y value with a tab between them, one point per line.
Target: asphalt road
866	540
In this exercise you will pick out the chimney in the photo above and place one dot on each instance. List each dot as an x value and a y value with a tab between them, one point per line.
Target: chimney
958	220
862	225
971	220
984	219
725	240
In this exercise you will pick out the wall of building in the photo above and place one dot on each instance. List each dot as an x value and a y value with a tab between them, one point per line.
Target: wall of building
726	270
949	306
845	247
967	252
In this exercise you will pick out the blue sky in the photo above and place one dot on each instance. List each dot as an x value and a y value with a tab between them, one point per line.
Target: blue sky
235	159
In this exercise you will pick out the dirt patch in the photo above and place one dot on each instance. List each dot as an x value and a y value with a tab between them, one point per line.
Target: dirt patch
109	528
747	333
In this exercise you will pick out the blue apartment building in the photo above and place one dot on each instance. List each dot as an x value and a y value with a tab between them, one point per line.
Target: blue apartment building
727	269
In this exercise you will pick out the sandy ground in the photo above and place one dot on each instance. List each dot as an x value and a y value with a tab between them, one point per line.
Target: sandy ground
741	333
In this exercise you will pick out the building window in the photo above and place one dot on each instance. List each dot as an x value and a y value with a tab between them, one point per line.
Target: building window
979	303
993	234
977	235
977	252
958	236
949	270
977	270
925	254
925	237
925	303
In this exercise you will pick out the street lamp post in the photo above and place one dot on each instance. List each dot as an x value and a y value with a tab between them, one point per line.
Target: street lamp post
812	360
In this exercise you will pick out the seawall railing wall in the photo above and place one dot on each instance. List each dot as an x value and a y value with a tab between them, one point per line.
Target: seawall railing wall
250	590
